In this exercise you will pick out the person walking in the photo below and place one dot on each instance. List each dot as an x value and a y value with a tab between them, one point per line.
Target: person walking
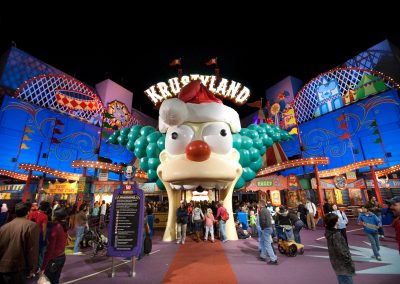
342	221
209	220
376	208
221	221
394	206
54	258
266	228
81	224
181	221
197	218
103	211
371	223
19	248
311	211
3	214
339	253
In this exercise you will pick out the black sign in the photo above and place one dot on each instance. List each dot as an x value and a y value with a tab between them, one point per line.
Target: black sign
126	222
126	226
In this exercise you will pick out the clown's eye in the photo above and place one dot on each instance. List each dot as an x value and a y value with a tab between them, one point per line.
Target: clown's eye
178	137
219	137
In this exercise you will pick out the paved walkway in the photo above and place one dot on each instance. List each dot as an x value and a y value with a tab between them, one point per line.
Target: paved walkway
312	267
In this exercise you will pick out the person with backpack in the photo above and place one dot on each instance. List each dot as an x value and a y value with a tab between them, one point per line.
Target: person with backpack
311	214
342	221
222	216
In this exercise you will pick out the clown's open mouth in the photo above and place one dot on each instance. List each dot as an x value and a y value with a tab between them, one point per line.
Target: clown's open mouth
200	185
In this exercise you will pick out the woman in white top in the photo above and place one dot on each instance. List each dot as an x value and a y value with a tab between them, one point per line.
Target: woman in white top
342	221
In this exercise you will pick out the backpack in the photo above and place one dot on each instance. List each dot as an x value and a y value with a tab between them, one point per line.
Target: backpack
225	215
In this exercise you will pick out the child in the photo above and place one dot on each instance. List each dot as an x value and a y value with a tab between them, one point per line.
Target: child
209	218
253	223
339	253
242	234
371	225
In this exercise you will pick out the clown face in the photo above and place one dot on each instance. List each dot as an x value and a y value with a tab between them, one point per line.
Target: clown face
199	154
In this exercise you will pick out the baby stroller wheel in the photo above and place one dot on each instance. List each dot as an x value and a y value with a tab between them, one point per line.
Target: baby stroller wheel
281	249
292	250
301	251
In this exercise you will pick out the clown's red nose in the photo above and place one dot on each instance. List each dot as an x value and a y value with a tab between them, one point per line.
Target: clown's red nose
198	151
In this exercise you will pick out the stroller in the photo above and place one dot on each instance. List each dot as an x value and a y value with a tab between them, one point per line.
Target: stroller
286	243
94	237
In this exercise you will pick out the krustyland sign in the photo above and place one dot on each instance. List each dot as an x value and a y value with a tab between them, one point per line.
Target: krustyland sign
225	89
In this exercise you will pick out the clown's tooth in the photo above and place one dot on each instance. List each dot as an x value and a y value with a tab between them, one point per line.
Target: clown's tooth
189	186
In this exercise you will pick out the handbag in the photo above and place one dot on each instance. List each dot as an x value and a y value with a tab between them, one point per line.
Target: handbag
43	279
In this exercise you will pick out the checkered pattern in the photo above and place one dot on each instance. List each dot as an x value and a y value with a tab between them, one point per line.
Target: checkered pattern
307	98
62	93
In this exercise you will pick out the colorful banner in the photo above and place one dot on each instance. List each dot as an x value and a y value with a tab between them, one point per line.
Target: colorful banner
12	188
293	182
329	183
273	182
151	187
338	196
106	187
292	198
356	196
276	198
392	183
61	188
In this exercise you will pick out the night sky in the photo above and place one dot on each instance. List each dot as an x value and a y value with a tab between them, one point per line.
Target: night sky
137	55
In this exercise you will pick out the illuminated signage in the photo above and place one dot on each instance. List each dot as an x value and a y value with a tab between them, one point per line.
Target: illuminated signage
225	89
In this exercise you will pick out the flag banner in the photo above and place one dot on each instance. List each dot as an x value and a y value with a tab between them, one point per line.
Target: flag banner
57	131
373	124
26	138
344	136
255	104
378	140
175	62
212	61
343	126
376	132
341	117
59	122
55	140
261	115
24	146
108	115
28	130
106	125
294	131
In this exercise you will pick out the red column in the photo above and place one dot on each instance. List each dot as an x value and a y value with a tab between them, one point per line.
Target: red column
28	182
376	186
80	195
320	193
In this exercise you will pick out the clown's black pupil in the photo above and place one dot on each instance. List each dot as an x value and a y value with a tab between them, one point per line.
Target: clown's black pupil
174	135
223	132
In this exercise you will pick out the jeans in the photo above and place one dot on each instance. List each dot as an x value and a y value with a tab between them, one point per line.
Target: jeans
222	225
374	239
42	250
345	279
150	221
298	225
211	230
259	232
266	247
79	235
380	229
102	221
181	232
53	269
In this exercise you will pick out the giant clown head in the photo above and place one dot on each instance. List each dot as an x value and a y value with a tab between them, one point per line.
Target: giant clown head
199	144
198	148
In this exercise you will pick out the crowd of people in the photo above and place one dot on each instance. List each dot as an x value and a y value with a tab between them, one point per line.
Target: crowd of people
43	231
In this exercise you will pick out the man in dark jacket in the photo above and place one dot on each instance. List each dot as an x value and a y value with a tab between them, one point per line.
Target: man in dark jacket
339	253
394	205
182	216
19	247
266	232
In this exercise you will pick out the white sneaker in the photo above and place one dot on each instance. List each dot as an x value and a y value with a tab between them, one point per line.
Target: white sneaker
183	242
178	242
77	253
